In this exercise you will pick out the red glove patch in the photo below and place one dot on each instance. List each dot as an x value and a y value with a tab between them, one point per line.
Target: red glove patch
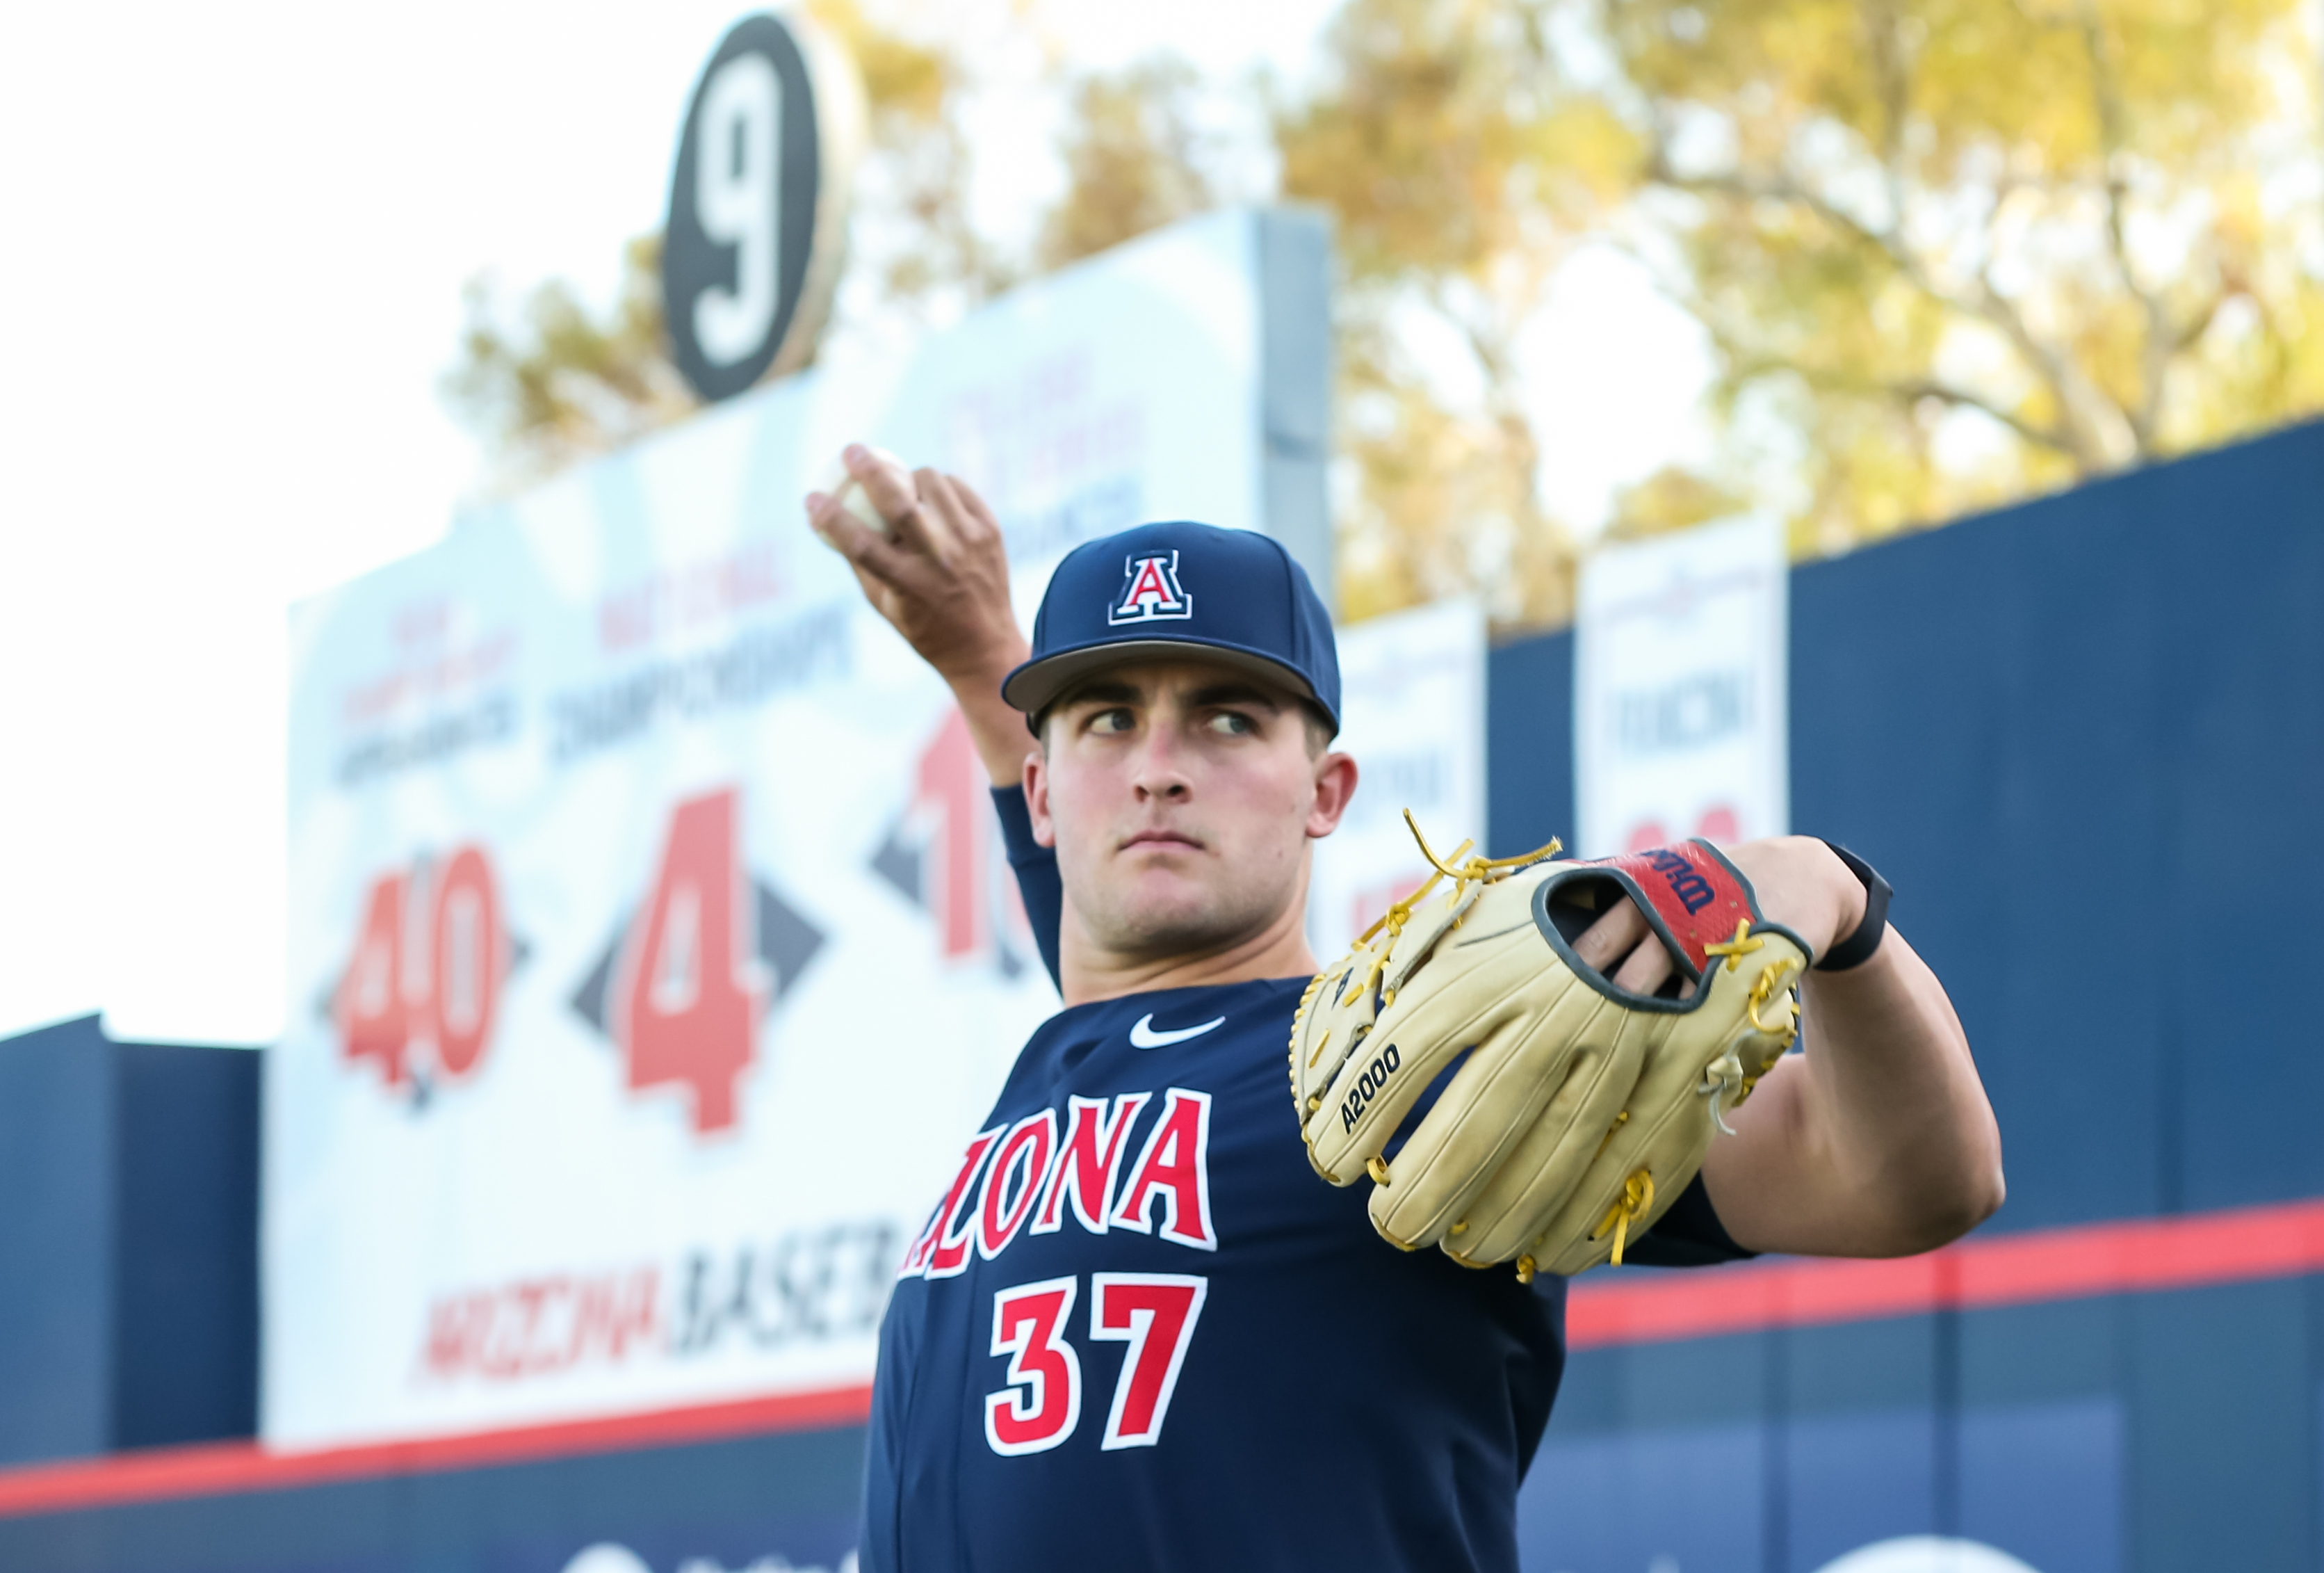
1695	890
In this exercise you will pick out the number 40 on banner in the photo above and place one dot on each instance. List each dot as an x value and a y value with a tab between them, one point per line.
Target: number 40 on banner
427	968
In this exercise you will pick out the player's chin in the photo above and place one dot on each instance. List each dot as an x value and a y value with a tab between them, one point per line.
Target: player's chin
1170	917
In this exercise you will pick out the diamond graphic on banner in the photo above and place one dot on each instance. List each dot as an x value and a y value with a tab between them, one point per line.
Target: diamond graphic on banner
787	942
907	862
901	863
588	1001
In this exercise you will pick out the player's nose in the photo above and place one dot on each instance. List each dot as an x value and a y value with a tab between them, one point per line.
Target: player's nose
1158	769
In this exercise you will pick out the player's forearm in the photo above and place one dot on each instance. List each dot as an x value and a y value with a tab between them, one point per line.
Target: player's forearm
996	728
1879	1140
1909	1121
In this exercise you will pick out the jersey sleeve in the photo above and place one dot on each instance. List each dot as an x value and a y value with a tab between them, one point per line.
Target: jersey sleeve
1036	867
1687	1236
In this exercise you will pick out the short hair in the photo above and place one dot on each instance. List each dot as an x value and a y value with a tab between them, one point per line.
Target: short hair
1320	730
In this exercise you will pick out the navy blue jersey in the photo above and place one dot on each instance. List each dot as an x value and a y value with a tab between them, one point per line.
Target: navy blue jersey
1139	1332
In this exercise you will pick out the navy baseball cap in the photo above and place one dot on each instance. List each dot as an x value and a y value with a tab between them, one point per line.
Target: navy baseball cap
1163	592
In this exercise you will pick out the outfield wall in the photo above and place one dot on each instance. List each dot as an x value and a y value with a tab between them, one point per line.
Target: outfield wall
2066	732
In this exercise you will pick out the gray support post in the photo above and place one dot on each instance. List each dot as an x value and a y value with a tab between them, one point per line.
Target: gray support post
1295	275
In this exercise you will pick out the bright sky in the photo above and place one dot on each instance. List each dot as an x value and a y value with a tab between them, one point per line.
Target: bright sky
237	236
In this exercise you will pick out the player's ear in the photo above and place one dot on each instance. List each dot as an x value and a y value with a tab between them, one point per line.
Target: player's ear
1037	794
1335	785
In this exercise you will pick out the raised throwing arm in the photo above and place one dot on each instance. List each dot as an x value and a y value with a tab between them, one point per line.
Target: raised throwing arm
941	578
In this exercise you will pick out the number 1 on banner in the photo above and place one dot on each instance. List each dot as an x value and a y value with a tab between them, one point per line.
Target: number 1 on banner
952	782
691	997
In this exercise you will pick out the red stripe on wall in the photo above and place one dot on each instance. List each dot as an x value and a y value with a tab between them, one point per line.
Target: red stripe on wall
1605	1311
221	1467
2042	1264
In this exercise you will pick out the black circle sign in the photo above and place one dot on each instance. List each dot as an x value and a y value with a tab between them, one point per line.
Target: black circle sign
744	280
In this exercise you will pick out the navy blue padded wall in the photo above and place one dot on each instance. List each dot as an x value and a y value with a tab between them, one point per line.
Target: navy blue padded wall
1973	710
185	1262
128	1243
2082	738
1529	745
56	1243
758	1501
2237	556
2170	1432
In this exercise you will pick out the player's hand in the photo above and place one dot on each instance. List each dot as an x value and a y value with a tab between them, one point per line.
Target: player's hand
940	576
1800	885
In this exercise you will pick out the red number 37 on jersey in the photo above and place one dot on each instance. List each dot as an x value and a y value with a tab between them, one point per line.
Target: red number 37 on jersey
1154	1313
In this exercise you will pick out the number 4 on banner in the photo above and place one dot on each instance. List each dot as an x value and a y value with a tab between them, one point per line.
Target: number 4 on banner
372	1022
689	999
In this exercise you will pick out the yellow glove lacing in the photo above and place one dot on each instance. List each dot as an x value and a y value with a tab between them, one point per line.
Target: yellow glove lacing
1475	871
1725	1082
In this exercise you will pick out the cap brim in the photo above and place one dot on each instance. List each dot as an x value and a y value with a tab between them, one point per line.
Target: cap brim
1035	686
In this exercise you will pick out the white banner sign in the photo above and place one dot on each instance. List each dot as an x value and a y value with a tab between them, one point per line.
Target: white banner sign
1680	675
1414	686
651	952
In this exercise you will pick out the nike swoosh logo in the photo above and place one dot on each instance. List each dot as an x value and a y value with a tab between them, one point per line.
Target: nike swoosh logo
1144	1036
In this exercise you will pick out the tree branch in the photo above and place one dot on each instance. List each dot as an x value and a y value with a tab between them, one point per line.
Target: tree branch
2155	347
2198	325
1907	390
1986	303
1914	391
1893	80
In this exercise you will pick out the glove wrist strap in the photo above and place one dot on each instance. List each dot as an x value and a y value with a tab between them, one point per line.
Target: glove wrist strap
1858	948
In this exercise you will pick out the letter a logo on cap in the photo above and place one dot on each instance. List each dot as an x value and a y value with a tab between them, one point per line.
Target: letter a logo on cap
1151	591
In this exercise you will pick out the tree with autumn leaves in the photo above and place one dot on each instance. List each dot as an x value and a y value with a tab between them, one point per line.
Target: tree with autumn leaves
1946	253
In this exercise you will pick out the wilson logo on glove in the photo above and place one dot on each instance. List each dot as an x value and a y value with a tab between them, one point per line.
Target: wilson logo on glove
1692	891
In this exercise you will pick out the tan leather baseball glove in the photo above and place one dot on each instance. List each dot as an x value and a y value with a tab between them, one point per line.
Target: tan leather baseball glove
1571	1112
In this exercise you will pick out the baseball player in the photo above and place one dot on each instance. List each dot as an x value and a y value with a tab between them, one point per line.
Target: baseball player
1137	1330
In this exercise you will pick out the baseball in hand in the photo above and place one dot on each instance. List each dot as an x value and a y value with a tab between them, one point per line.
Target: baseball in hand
848	492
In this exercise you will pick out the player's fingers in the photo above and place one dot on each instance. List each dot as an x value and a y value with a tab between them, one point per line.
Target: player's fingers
865	549
1644	969
888	489
1614	935
938	515
884	600
976	519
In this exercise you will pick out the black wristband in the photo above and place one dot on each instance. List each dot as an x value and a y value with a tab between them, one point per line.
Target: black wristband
1858	948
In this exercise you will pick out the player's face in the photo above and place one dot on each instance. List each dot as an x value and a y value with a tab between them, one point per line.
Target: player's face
1180	798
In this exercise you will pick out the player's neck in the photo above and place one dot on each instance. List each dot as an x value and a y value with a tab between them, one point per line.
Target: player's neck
1089	973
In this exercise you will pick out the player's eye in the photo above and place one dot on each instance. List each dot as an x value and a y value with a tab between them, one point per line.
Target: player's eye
1233	724
1116	720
